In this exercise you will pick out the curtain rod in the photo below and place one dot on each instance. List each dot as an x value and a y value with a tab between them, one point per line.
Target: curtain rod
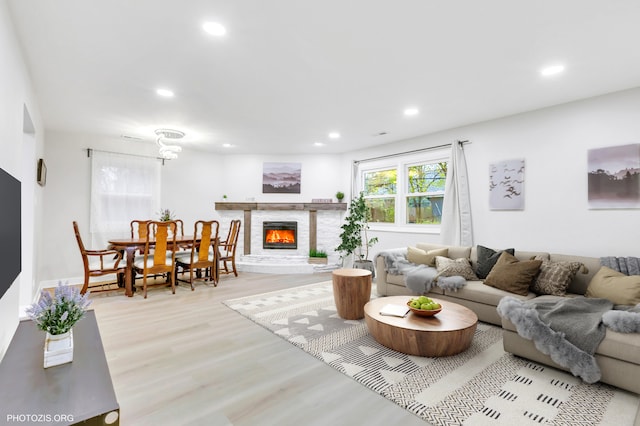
90	150
409	152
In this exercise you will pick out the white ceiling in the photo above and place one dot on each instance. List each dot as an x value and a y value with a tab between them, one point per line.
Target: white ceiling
290	71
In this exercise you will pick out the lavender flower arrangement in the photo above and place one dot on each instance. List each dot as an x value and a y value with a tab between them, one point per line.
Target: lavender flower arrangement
166	215
57	314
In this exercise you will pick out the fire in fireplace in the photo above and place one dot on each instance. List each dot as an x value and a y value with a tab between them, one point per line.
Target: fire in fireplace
280	235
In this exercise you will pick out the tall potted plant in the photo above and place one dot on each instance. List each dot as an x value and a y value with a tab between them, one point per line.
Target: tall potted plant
354	238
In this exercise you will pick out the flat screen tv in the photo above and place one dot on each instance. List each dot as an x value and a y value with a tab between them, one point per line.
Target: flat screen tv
10	225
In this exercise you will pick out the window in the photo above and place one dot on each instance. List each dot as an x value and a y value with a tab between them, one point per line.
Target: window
380	194
425	192
405	190
123	188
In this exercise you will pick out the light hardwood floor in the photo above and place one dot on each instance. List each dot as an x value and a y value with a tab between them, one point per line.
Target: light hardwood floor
187	359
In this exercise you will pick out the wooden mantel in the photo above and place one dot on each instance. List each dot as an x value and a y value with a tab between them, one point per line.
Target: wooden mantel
279	206
312	208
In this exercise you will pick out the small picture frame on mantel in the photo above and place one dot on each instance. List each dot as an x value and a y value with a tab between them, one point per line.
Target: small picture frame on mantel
42	172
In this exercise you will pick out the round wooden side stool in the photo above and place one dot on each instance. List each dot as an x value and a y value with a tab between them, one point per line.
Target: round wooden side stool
351	291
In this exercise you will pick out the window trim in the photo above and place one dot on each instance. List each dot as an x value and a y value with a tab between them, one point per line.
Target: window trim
401	164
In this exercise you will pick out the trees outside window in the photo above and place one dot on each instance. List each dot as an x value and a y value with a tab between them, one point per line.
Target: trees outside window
404	190
380	191
425	192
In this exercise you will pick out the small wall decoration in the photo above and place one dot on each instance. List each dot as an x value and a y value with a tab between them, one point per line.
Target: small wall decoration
281	178
42	172
614	177
506	185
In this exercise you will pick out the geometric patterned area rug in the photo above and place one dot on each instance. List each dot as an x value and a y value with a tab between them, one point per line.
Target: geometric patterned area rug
481	386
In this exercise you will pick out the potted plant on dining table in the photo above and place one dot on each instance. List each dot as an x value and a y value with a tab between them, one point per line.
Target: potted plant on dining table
166	215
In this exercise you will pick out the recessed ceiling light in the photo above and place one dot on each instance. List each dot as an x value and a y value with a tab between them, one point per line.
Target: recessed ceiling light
165	93
318	144
552	70
214	28
227	145
411	111
334	135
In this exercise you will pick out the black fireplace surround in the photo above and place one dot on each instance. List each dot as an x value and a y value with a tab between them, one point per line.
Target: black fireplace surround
280	235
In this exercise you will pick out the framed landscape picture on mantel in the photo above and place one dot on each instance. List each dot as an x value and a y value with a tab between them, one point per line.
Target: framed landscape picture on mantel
281	178
614	177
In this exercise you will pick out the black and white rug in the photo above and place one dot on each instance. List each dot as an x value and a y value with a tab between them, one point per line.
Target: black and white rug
482	386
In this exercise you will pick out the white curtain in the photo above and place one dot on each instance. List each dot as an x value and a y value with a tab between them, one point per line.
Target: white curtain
456	211
123	188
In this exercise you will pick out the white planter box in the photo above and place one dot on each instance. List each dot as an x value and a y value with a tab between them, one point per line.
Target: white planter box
58	349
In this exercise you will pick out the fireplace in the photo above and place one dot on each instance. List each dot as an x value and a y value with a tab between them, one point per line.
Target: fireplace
280	235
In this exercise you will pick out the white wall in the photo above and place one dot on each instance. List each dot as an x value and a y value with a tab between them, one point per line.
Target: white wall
19	160
67	198
322	176
190	187
554	143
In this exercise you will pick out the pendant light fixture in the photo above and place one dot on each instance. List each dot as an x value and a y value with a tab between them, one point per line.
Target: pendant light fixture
168	152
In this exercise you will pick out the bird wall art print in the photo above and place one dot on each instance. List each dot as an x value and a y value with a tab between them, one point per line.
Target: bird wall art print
506	185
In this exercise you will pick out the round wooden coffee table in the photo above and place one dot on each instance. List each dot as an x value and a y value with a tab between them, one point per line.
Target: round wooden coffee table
447	333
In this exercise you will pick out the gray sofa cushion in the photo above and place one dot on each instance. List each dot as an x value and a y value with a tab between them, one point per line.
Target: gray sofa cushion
395	279
621	346
487	258
481	293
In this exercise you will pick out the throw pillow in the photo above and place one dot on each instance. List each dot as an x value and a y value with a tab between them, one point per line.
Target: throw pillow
619	288
419	256
554	277
455	267
487	258
510	274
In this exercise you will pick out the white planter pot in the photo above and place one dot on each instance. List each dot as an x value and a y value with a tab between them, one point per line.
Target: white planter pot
58	349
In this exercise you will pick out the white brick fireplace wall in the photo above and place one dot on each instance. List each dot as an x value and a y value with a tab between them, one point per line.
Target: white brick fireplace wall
328	219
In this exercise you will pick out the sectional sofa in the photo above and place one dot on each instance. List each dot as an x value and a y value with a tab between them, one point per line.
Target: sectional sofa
618	355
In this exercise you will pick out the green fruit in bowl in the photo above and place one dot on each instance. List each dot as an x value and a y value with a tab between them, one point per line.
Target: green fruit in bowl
414	304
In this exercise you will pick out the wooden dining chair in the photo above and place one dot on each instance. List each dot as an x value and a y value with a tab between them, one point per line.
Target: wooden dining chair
99	263
180	231
139	228
201	255
227	249
159	253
